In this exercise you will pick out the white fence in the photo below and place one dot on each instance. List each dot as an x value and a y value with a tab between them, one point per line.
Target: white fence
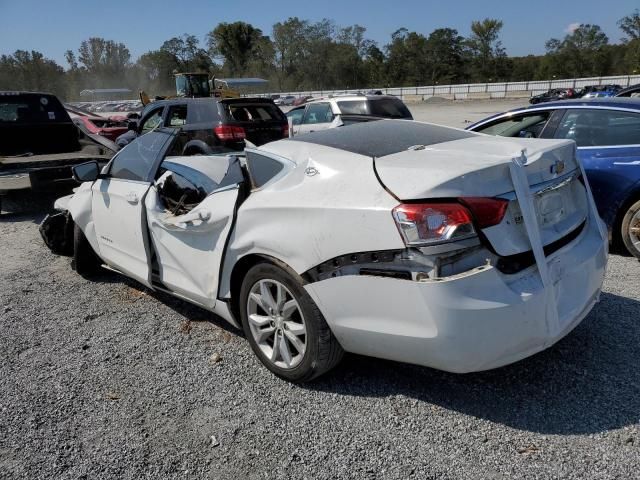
481	90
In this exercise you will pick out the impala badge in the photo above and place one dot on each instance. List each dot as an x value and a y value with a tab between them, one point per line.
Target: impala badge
557	167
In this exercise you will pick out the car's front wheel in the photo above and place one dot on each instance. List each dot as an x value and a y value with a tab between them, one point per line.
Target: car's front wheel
630	230
284	326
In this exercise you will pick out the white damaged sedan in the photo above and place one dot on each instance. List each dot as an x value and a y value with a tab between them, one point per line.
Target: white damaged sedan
395	239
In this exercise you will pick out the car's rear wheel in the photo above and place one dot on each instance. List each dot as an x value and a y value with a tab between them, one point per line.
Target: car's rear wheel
630	229
85	261
284	326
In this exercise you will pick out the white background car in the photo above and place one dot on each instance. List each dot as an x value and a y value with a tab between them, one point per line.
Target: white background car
394	239
320	114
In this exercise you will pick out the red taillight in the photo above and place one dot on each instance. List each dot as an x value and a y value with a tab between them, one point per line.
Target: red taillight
426	223
285	130
229	132
486	211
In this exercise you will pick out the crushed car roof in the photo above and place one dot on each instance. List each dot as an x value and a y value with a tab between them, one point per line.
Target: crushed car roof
384	137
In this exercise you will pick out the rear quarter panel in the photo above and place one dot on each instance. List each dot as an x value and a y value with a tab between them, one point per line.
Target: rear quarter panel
304	220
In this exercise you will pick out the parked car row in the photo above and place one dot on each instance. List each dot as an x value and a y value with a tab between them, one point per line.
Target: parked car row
42	138
292	100
590	91
285	101
630	91
109	106
553	94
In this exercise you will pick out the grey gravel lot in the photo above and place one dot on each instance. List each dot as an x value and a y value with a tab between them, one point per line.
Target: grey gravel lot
104	379
461	113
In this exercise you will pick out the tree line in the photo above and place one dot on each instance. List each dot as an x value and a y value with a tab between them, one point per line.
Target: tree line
304	55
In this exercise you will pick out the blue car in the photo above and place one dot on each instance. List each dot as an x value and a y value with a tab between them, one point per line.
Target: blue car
607	134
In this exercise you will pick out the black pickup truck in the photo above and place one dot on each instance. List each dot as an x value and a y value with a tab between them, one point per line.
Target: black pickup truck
39	143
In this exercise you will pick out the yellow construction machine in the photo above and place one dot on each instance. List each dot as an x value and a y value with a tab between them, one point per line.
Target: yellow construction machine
199	85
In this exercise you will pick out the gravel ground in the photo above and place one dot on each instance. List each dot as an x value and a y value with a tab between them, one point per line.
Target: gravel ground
105	379
461	113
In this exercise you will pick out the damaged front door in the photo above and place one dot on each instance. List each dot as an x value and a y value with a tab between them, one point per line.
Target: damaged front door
190	212
117	206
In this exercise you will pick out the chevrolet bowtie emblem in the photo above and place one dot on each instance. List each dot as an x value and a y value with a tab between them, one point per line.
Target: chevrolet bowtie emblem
557	167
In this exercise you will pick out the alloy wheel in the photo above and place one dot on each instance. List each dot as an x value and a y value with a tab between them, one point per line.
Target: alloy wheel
277	323
634	230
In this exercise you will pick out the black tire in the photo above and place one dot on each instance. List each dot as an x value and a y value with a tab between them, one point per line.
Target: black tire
193	152
322	352
630	229
85	261
197	150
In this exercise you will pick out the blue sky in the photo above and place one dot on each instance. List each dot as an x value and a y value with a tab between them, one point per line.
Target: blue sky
53	26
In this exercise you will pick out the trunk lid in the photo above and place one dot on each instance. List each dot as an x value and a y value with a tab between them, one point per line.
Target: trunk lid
480	167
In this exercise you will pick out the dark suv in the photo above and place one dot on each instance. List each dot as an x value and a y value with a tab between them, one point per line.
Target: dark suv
209	125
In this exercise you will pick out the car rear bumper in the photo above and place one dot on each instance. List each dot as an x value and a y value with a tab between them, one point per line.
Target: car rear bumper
477	320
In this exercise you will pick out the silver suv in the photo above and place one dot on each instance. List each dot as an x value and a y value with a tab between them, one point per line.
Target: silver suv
323	113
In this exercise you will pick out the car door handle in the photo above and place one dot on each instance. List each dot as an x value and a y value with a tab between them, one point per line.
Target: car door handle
132	198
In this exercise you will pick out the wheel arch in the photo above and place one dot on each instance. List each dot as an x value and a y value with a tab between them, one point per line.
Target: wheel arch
81	212
240	269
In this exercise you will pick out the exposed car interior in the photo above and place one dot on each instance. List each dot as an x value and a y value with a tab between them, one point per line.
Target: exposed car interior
184	182
524	126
